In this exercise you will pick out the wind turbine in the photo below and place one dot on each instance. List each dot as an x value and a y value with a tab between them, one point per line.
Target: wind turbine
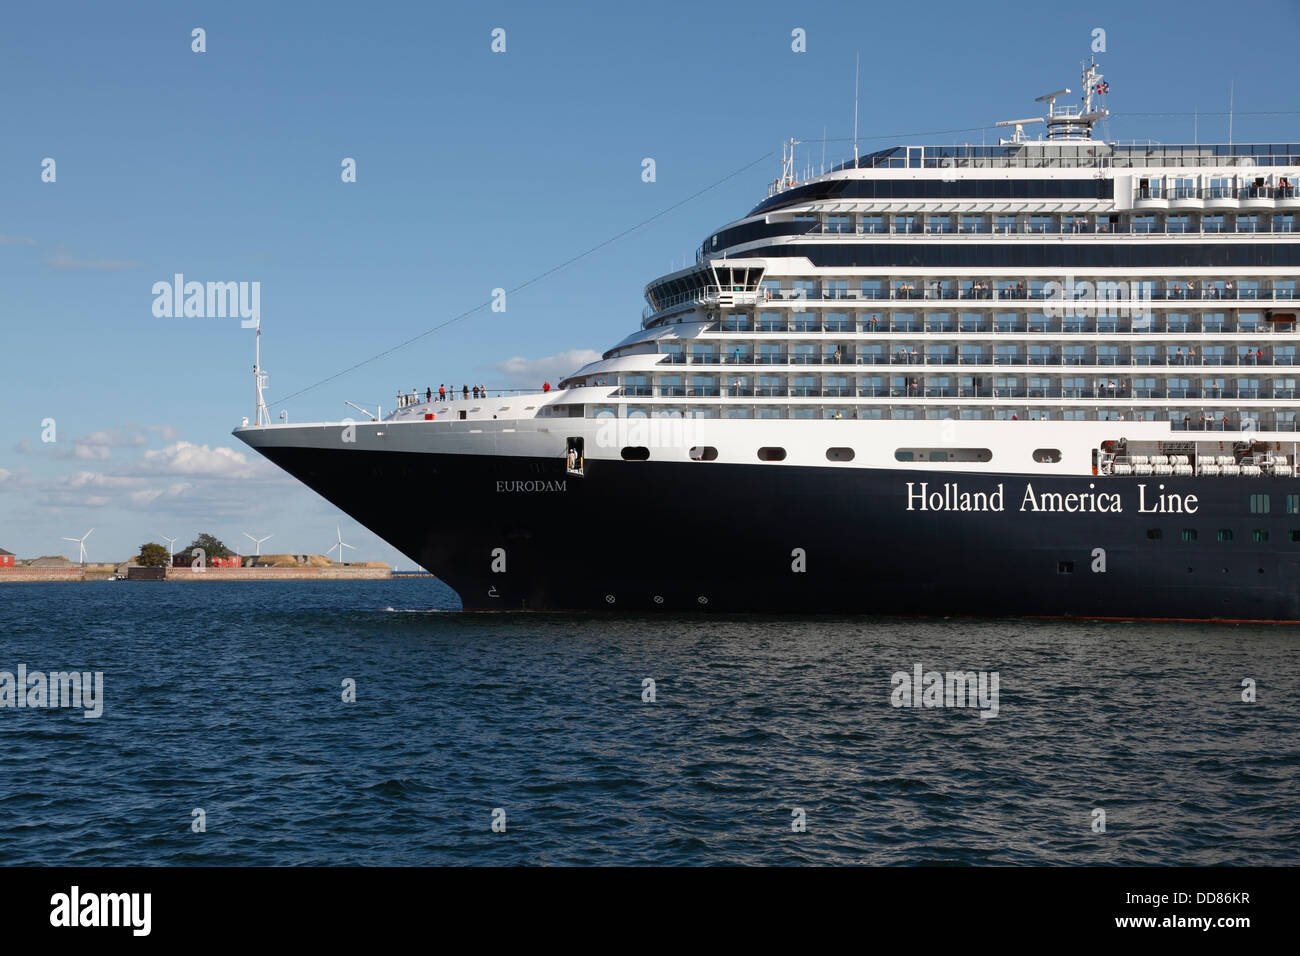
340	544
171	549
258	542
82	542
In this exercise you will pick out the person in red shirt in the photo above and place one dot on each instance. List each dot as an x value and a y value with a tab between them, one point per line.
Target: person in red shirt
546	386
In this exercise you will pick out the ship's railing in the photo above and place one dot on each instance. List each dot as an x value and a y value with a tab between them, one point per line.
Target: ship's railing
1033	359
412	399
706	295
900	290
1206	291
1217	192
1088	155
1037	230
1033	230
932	383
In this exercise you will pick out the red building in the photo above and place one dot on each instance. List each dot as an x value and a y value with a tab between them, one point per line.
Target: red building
182	559
6	558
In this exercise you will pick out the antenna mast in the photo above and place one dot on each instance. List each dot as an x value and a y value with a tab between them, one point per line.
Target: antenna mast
260	414
857	64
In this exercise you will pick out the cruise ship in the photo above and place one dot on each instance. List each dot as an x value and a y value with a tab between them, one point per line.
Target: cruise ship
1052	377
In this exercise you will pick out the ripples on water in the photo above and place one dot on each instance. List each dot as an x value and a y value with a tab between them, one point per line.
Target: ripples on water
226	696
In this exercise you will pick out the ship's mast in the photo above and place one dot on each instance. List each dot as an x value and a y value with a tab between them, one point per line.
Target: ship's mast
857	64
260	414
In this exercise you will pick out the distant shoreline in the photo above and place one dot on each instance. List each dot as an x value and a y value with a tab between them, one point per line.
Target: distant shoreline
78	575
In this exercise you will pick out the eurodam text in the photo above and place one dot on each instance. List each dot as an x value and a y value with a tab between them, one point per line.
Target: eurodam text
950	497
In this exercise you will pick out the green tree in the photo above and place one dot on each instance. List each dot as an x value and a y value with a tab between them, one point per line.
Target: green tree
212	547
152	555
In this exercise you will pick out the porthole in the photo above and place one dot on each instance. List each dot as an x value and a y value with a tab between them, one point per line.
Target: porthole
771	454
704	453
636	453
1047	455
943	454
839	454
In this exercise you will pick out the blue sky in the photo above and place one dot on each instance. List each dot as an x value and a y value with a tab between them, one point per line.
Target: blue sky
475	170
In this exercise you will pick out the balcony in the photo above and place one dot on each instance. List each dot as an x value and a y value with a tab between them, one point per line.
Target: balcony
1150	198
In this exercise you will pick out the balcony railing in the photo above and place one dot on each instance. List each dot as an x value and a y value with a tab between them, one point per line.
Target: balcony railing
1217	192
1256	359
921	387
1200	290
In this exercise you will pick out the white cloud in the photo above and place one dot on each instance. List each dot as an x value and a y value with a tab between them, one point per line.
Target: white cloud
187	458
149	496
17	241
532	372
99	445
95	479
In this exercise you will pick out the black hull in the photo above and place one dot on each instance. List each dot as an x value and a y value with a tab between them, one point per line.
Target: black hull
641	536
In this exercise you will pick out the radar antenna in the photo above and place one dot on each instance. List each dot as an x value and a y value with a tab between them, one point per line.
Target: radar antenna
1068	122
1019	135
